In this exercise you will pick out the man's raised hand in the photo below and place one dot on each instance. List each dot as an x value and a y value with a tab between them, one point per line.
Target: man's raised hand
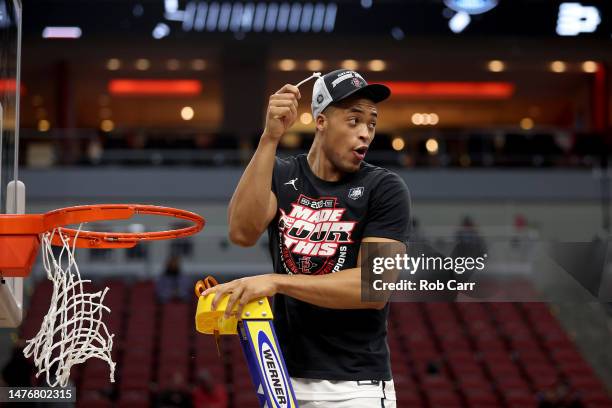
282	111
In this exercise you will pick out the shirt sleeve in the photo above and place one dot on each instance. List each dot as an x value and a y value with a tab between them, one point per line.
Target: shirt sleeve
281	168
389	210
275	175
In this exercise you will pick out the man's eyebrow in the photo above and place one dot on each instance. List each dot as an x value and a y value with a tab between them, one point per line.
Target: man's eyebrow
359	110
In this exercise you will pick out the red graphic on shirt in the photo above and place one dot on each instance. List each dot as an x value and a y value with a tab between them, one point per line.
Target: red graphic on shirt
314	236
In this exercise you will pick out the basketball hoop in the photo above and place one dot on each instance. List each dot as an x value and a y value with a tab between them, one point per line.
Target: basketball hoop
72	331
20	233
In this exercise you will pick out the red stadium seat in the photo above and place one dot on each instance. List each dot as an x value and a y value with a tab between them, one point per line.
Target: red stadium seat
473	381
98	403
443	398
97	384
515	397
586	383
408	398
134	383
477	397
598	398
246	400
134	399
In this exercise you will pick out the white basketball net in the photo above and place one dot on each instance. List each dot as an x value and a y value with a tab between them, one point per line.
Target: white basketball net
72	331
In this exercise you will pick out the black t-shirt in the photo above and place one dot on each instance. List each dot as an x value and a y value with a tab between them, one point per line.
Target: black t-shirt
318	229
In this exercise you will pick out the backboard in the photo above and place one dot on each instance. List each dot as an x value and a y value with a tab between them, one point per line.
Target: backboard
11	289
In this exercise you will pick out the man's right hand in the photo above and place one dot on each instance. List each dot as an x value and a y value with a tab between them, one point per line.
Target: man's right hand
282	111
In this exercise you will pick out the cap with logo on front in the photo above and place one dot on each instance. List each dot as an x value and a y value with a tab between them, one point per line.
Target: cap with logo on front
342	83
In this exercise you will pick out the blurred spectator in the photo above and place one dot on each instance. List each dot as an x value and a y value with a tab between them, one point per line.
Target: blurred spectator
559	397
520	223
95	150
204	141
170	283
468	240
136	139
520	233
181	247
176	395
522	238
18	370
207	393
468	243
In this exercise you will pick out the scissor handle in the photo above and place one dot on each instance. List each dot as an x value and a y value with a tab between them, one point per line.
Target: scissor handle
202	285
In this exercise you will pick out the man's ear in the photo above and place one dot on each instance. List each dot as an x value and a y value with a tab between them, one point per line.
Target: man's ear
321	122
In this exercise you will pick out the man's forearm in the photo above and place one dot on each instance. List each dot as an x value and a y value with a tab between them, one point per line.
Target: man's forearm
339	290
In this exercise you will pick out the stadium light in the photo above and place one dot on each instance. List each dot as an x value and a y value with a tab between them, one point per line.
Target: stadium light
160	31
398	144
187	113
350	64
464	9
377	65
43	125
161	87
457	90
198	65
574	19
526	123
558	66
432	146
243	17
287	65
589	67
496	66
142	64
62	32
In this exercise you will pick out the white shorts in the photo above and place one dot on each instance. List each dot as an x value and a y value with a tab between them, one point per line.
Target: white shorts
343	394
352	403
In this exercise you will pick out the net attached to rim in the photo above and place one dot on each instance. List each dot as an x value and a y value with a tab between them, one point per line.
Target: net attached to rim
73	330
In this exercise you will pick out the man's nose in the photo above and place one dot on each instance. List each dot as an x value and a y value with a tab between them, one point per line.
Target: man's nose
364	134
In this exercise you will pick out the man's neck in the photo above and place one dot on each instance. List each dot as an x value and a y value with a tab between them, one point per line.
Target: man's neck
320	164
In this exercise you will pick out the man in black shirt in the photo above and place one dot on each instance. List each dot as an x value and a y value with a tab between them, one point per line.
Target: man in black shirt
318	209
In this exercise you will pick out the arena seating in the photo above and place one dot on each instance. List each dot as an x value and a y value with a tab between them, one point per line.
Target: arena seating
444	355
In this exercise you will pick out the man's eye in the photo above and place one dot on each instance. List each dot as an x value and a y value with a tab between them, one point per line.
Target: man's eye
353	121
373	125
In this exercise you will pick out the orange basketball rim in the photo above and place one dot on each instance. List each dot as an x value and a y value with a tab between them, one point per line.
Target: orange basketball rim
20	233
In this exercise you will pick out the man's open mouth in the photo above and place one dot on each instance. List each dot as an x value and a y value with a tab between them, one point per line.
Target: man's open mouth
360	152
